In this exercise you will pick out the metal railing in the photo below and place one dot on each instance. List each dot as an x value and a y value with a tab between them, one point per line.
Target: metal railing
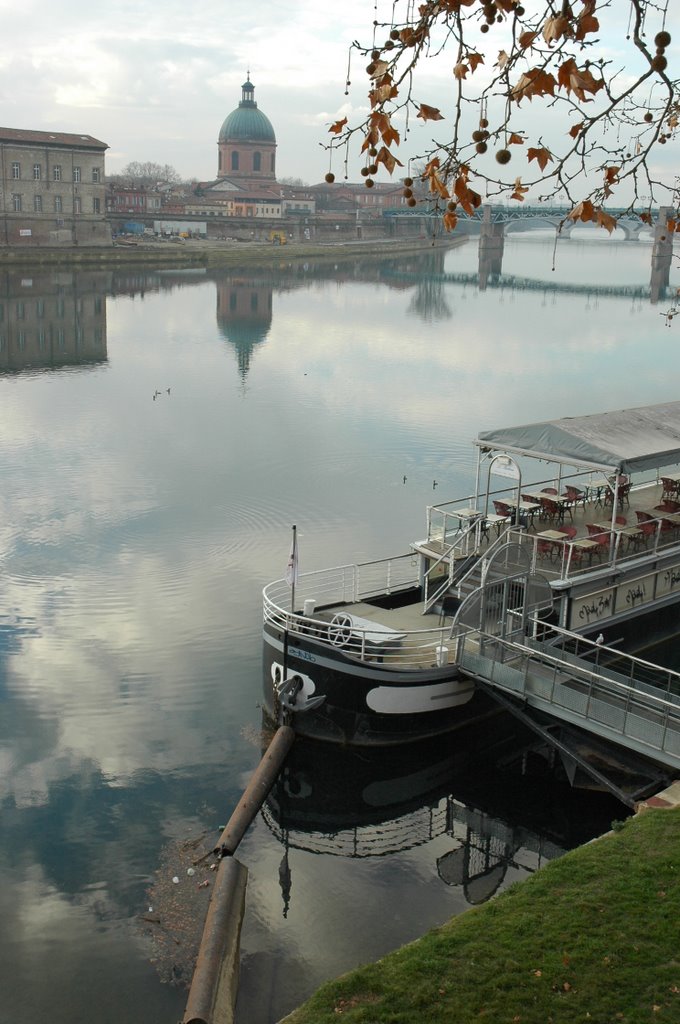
626	697
366	641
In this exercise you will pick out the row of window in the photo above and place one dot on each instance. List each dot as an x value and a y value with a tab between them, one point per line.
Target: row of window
257	161
59	307
56	173
56	336
57	202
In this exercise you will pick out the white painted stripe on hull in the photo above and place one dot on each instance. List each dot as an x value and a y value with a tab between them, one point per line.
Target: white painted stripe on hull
406	700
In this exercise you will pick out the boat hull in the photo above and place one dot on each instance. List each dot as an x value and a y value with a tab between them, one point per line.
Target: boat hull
365	703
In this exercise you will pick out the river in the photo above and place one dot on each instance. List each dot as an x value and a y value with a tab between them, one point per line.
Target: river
160	432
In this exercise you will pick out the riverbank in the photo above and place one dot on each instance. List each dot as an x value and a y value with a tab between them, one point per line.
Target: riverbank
198	252
590	937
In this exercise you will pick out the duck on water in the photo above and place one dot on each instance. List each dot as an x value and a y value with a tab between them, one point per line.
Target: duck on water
574	524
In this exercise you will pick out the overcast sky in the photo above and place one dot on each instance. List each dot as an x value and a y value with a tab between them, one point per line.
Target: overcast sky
156	81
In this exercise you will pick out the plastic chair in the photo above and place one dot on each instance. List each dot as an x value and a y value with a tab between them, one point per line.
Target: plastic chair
670	488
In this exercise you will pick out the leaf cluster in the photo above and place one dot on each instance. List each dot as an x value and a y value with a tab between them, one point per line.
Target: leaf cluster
532	83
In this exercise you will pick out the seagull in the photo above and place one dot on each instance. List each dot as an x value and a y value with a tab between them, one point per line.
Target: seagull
600	639
404	479
434	484
168	390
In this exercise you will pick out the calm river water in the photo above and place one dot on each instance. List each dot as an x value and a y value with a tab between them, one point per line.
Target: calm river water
160	432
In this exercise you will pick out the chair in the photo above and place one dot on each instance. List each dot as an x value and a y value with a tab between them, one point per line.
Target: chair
670	488
568	531
667	506
548	490
575	497
502	509
551	510
601	537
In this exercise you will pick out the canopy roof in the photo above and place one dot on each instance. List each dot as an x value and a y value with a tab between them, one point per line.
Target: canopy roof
625	441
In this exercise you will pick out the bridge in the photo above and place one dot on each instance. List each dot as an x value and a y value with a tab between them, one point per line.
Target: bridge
537	217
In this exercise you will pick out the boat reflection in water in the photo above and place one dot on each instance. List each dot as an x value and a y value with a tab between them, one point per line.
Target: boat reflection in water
505	808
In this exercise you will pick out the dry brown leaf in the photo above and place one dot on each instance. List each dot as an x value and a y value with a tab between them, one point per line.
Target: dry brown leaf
475	59
429	113
338	126
387	159
554	28
571	78
515	140
534	83
460	70
542	156
576	129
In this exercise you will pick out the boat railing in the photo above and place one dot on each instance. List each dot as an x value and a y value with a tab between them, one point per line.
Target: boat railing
346	583
326	599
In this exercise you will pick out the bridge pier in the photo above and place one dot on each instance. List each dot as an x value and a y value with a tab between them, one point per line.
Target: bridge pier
662	254
490	251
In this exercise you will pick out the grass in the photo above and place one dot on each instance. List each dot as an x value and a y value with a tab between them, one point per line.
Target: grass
594	936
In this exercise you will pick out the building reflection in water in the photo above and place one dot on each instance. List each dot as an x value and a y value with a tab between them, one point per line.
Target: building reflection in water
244	315
50	320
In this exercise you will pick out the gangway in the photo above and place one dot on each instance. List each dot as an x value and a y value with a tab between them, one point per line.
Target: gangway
561	676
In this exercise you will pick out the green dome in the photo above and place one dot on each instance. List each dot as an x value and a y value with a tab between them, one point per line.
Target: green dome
247	123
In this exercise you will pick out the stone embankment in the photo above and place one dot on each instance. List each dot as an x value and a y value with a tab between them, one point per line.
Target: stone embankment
192	252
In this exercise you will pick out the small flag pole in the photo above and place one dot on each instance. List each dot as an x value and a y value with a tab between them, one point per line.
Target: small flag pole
292	569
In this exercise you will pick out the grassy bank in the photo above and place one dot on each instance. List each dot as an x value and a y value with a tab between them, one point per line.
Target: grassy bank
215	254
591	937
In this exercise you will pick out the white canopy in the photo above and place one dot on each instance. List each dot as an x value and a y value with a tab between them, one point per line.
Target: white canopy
625	441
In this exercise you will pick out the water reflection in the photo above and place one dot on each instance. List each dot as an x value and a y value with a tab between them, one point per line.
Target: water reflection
135	538
484	789
50	320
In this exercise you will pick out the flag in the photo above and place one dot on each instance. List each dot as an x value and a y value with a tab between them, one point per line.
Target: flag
292	567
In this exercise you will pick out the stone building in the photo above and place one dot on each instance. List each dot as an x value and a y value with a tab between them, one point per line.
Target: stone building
52	189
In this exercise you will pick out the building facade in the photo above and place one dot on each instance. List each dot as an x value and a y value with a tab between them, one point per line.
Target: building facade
52	189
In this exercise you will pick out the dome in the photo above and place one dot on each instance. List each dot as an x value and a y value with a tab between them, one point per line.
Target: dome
247	123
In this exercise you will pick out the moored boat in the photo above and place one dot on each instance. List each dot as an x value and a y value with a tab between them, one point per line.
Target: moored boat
573	523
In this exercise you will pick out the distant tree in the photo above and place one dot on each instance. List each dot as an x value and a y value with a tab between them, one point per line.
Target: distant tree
293	182
574	98
144	175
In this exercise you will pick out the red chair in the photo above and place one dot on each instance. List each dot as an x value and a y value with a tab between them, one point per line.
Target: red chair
551	510
575	497
601	537
568	531
671	488
502	509
548	490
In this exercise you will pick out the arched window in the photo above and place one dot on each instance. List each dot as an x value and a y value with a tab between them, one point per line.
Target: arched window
272	164
234	161
257	161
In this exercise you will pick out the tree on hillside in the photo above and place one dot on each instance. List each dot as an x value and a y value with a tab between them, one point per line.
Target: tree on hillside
144	175
572	101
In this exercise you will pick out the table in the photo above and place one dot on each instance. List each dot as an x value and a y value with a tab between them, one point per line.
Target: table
587	547
527	509
555	538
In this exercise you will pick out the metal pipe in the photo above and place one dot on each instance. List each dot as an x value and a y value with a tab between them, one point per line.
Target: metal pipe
256	791
214	986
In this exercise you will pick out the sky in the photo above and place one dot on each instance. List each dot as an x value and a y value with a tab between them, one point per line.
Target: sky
155	82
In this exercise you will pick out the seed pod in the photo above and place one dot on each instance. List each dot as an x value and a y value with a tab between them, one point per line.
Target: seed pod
503	156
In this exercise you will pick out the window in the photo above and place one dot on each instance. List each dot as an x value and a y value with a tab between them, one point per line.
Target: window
77	205
37	204
37	172
272	163
21	340
60	307
40	308
95	205
257	161
16	203
42	340
21	311
58	205
234	161
16	171
56	172
76	174
95	175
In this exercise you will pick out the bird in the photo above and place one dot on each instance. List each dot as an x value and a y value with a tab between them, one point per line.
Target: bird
404	479
434	484
600	639
168	390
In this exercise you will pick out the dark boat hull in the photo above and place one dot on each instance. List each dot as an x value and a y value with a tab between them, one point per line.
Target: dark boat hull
365	703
